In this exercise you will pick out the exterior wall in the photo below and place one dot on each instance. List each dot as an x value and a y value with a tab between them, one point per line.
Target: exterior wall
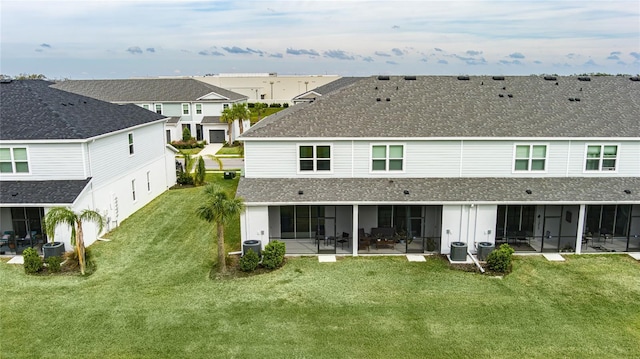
52	161
446	158
5	220
464	223
254	224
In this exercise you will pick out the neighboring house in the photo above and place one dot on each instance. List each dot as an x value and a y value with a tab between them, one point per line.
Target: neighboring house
62	149
312	95
189	103
412	164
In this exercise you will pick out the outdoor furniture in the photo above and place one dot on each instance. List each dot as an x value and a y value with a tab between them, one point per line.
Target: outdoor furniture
364	240
385	243
344	239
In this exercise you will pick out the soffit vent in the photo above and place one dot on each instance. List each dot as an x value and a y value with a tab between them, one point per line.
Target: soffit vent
584	78
383	78
410	78
463	78
550	78
498	78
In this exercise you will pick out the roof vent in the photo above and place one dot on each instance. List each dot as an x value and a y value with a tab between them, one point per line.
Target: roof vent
634	78
410	78
500	95
550	78
571	99
463	78
556	84
5	81
510	95
577	99
376	88
388	99
383	78
584	78
498	78
378	99
504	87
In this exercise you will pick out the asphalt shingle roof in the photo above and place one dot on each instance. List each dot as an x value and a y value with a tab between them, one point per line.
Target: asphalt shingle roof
210	119
146	90
331	86
443	106
32	110
60	192
440	190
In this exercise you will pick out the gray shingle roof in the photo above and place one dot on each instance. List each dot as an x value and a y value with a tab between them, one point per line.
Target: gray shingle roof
440	190
443	106
32	110
146	90
331	86
210	119
60	192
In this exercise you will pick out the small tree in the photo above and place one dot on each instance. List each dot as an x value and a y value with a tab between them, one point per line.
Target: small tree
241	113
228	117
65	216
219	208
186	134
200	172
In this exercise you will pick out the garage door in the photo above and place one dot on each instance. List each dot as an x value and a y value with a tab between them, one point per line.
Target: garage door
216	136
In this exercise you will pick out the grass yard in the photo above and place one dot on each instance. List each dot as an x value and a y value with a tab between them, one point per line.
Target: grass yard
237	150
151	297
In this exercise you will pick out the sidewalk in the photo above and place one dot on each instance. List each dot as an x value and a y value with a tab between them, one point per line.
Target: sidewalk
210	149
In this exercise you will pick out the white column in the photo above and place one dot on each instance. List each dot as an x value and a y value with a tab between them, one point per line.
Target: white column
581	216
354	230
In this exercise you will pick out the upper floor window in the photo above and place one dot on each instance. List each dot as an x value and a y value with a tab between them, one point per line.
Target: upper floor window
387	157
146	106
185	108
14	160
314	158
198	109
530	158
159	108
130	135
601	158
225	106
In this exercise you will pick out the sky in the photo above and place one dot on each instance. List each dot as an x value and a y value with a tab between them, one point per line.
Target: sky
92	39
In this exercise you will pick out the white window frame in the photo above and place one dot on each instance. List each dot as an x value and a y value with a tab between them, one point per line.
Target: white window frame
601	158
130	142
387	158
148	181
315	158
198	109
146	106
155	108
133	190
182	108
531	158
13	161
225	106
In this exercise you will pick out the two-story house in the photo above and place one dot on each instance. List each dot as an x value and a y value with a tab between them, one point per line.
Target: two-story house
187	102
410	164
62	149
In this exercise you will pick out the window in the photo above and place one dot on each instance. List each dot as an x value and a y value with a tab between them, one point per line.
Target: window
198	109
387	157
130	135
530	158
146	106
159	108
148	181
601	157
185	108
14	160
133	189
225	106
314	158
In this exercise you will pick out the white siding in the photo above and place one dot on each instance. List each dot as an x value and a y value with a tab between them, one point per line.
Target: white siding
52	161
254	224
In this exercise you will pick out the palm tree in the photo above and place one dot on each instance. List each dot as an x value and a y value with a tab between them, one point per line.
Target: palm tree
65	216
228	117
219	208
241	112
259	109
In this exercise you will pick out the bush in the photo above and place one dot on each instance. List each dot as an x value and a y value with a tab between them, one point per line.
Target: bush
53	264
285	105
73	264
184	178
191	143
273	254
32	261
500	259
276	105
186	134
200	172
249	261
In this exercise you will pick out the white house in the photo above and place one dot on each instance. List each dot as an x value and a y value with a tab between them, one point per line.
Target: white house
187	102
411	164
62	149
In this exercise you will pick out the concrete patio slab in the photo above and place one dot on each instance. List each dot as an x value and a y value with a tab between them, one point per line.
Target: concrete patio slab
326	259
415	258
16	260
553	257
635	256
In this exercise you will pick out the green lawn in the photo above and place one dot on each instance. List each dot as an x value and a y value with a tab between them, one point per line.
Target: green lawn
237	150
267	111
151	297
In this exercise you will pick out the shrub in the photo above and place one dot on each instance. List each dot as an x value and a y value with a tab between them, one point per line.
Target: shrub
200	172
500	259
249	261
73	264
53	264
285	105
276	105
186	134
273	254
191	143
184	178
32	261
251	105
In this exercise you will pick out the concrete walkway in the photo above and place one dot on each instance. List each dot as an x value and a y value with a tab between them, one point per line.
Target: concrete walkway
210	149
